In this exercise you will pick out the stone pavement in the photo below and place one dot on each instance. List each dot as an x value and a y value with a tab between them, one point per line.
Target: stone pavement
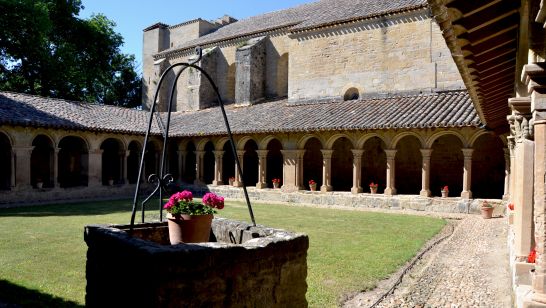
468	269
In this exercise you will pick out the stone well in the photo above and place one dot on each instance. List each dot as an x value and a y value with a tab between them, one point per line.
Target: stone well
241	266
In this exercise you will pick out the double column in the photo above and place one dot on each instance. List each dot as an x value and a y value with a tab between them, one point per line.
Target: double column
262	169
292	169
357	171
238	180
218	167
326	170
425	173
199	167
390	189
467	173
21	163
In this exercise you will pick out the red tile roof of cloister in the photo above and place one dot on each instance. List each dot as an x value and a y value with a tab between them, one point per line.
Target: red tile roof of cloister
430	110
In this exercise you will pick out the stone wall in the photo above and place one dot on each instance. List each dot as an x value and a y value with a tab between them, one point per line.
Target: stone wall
250	71
268	269
365	200
386	55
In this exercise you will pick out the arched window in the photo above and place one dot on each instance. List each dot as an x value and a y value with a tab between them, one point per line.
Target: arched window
351	94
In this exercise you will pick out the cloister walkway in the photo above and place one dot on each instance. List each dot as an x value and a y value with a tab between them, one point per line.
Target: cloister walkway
469	269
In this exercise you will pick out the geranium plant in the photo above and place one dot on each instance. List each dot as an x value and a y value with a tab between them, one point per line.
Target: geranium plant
232	178
445	188
183	203
531	258
373	185
312	182
486	204
276	181
511	206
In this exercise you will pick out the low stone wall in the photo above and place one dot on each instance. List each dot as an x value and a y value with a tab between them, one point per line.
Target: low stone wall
363	200
33	196
243	266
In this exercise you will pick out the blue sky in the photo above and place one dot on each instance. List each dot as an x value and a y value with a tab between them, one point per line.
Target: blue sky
133	16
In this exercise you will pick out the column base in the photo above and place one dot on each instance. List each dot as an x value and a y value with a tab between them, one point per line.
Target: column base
390	191
261	185
357	190
326	188
217	183
237	184
425	193
466	194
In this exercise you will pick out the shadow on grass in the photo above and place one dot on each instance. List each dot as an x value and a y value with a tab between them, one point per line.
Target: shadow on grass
12	295
77	209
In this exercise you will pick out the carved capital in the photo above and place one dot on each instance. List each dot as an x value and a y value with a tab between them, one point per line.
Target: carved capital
327	154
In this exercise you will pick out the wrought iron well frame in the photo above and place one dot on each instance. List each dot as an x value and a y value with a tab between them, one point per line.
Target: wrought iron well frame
163	179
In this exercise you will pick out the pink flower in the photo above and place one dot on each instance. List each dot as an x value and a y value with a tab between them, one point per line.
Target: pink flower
169	204
183	196
213	201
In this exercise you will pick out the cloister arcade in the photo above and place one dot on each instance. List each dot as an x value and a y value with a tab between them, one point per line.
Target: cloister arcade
471	162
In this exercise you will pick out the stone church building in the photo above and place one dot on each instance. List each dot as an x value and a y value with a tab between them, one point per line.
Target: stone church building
340	92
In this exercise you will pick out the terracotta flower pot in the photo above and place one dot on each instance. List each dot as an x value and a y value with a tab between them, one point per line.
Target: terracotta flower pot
373	190
39	185
487	212
189	228
445	193
276	185
313	187
231	182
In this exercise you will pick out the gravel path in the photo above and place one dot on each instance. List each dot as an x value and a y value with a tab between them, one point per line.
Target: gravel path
468	269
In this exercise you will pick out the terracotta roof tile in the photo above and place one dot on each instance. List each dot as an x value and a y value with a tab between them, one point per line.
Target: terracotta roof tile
443	109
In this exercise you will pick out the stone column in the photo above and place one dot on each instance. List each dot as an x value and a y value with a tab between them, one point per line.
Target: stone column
22	167
125	156
506	194
238	180
299	173
95	167
12	184
513	166
290	169
199	161
326	170
218	167
262	169
56	167
181	163
425	173
391	185
523	176
357	171
467	174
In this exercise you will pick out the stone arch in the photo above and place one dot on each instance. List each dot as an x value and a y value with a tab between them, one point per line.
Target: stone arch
264	142
334	138
220	143
342	164
112	161
73	161
302	142
408	162
477	136
374	163
171	160
241	144
6	156
488	167
208	163
190	163
274	161
312	161
282	75
362	140
351	91
42	160
446	165
437	135
200	146
133	161
228	162
250	163
400	136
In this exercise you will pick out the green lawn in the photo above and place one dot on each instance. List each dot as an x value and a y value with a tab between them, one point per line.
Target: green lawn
42	252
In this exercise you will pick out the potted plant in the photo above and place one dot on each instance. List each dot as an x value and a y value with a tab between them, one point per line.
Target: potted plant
531	258
373	188
312	185
487	210
445	191
276	183
39	183
110	181
190	221
231	180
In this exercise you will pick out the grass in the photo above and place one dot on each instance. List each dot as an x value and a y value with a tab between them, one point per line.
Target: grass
42	251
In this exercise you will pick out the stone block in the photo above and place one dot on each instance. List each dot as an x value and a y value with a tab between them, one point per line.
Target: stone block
250	71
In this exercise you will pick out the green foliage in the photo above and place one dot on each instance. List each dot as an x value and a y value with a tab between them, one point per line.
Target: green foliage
45	49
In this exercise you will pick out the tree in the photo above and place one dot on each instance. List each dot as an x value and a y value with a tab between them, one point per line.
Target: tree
46	49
